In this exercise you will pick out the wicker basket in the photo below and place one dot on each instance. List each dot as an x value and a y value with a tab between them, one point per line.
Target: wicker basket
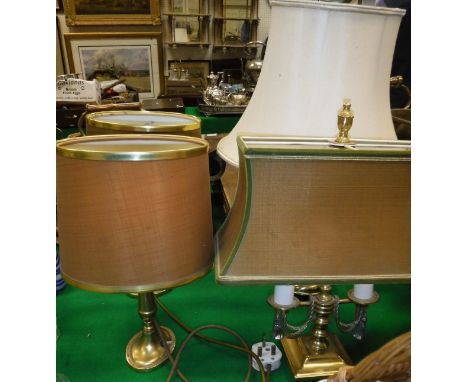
391	363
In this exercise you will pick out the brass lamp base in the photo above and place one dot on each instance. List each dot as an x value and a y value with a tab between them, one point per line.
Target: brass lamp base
145	351
305	362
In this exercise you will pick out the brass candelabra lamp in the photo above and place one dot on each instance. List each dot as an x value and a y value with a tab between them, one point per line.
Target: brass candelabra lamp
311	209
134	215
321	211
320	353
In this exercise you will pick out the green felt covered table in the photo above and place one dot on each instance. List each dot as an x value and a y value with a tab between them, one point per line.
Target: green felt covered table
214	124
95	328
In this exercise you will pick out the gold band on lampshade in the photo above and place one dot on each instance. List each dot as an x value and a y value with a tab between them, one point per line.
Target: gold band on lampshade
136	121
136	148
130	225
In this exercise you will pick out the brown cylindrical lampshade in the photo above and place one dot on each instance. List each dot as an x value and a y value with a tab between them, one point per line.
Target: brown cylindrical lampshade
138	122
134	211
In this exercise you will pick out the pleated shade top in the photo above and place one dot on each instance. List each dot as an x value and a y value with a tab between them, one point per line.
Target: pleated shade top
318	54
134	211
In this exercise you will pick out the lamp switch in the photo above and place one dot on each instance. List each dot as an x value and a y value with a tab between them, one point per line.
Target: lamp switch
268	353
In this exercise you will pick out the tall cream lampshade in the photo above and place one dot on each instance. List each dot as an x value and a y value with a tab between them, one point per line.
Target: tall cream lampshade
318	54
134	215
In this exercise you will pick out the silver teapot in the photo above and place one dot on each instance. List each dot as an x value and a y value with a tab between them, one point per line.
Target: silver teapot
223	93
213	95
253	65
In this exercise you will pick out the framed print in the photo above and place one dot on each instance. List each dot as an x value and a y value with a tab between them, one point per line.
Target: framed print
59	61
133	57
107	12
196	69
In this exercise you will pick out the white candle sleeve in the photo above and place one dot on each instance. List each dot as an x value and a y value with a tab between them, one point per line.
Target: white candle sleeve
363	291
284	294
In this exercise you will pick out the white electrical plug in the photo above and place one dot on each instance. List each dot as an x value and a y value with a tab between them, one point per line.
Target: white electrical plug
268	353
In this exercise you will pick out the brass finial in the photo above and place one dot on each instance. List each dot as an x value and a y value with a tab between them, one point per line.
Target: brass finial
345	121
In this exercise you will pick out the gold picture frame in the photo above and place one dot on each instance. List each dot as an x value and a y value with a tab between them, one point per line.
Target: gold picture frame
59	58
105	12
134	57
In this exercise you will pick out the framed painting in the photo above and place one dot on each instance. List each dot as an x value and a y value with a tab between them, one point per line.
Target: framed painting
196	69
112	12
133	57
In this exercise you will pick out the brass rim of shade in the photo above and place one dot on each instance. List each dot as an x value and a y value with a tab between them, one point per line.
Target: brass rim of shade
92	119
339	279
65	148
136	288
299	146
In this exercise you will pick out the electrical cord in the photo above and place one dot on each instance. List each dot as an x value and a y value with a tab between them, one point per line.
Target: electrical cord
193	333
244	349
80	123
211	340
168	351
268	373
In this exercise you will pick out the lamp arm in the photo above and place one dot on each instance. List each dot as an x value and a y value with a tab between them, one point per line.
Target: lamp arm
359	323
281	324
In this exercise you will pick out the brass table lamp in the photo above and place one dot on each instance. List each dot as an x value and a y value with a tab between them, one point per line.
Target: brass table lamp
318	211
311	208
134	215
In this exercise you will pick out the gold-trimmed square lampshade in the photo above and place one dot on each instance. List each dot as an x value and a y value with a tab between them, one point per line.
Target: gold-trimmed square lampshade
308	211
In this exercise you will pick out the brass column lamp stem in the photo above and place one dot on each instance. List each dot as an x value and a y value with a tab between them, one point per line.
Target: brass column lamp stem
145	350
323	307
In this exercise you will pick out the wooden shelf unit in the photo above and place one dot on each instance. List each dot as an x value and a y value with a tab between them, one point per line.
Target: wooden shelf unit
171	17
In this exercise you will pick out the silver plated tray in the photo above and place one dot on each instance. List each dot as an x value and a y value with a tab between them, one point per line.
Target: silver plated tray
221	109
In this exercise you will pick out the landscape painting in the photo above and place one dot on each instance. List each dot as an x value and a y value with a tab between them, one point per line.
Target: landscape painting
131	64
135	58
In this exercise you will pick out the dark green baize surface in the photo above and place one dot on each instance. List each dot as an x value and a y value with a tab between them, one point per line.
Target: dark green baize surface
214	124
95	328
